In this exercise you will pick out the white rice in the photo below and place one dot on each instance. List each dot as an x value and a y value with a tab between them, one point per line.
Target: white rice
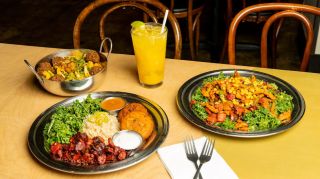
105	130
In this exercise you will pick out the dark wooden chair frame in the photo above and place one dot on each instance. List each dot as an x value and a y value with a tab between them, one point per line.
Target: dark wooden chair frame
139	4
193	18
257	19
283	10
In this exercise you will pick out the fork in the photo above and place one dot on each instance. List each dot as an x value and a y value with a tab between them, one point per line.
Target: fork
191	152
206	154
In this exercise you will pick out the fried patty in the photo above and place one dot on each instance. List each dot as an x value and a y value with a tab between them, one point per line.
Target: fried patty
138	121
130	108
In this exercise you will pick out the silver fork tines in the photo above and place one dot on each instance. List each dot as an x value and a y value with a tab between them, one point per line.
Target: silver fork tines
206	154
191	152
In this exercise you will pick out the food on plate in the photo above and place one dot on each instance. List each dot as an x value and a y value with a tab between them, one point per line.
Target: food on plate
101	124
138	121
241	103
131	107
113	103
136	117
77	66
81	133
68	120
83	150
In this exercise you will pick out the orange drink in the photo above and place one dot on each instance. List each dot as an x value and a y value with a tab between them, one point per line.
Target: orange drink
150	50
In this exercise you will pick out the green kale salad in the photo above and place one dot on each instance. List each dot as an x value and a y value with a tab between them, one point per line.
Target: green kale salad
68	120
239	103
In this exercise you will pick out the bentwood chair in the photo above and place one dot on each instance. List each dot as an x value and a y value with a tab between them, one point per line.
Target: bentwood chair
234	6
191	11
113	5
283	10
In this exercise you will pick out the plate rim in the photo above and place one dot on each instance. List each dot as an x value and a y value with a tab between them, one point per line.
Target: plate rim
195	81
67	168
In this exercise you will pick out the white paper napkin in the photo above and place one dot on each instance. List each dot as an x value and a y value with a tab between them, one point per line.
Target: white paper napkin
178	166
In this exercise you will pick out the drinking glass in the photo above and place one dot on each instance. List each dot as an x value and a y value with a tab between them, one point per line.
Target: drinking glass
149	45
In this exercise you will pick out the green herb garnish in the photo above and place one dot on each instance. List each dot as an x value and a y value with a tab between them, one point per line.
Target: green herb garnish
68	120
261	119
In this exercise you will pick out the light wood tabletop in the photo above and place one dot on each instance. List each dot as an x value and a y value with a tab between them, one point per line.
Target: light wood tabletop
292	154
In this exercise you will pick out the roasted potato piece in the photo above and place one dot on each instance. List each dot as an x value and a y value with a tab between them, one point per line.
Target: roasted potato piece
93	56
285	116
138	121
96	69
57	78
57	61
44	66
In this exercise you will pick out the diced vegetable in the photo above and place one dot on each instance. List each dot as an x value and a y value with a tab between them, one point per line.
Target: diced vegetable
67	121
241	103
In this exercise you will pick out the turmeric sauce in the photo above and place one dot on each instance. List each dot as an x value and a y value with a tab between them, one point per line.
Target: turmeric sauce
112	104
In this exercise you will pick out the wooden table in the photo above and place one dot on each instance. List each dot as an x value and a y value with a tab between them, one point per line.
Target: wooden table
292	154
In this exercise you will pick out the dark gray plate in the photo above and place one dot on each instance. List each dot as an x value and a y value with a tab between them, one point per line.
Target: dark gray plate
36	141
187	89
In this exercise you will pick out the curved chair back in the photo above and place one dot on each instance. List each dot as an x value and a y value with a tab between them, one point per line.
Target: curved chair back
233	7
116	4
283	10
191	10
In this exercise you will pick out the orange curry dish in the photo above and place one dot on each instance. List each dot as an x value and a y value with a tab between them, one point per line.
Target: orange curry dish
113	103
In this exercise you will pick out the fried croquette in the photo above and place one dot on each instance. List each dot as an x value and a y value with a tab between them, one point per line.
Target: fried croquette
93	56
138	121
130	108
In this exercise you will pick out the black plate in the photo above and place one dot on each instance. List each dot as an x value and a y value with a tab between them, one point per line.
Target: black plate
36	141
187	89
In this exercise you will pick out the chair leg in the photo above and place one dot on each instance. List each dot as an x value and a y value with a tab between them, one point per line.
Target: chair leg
228	22
274	42
273	55
145	16
224	48
197	31
191	43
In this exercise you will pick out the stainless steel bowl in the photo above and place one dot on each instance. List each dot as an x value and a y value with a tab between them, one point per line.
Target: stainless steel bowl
73	87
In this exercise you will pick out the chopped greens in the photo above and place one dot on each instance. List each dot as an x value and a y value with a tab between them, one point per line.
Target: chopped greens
68	120
283	102
197	95
227	124
261	119
200	111
221	76
241	103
